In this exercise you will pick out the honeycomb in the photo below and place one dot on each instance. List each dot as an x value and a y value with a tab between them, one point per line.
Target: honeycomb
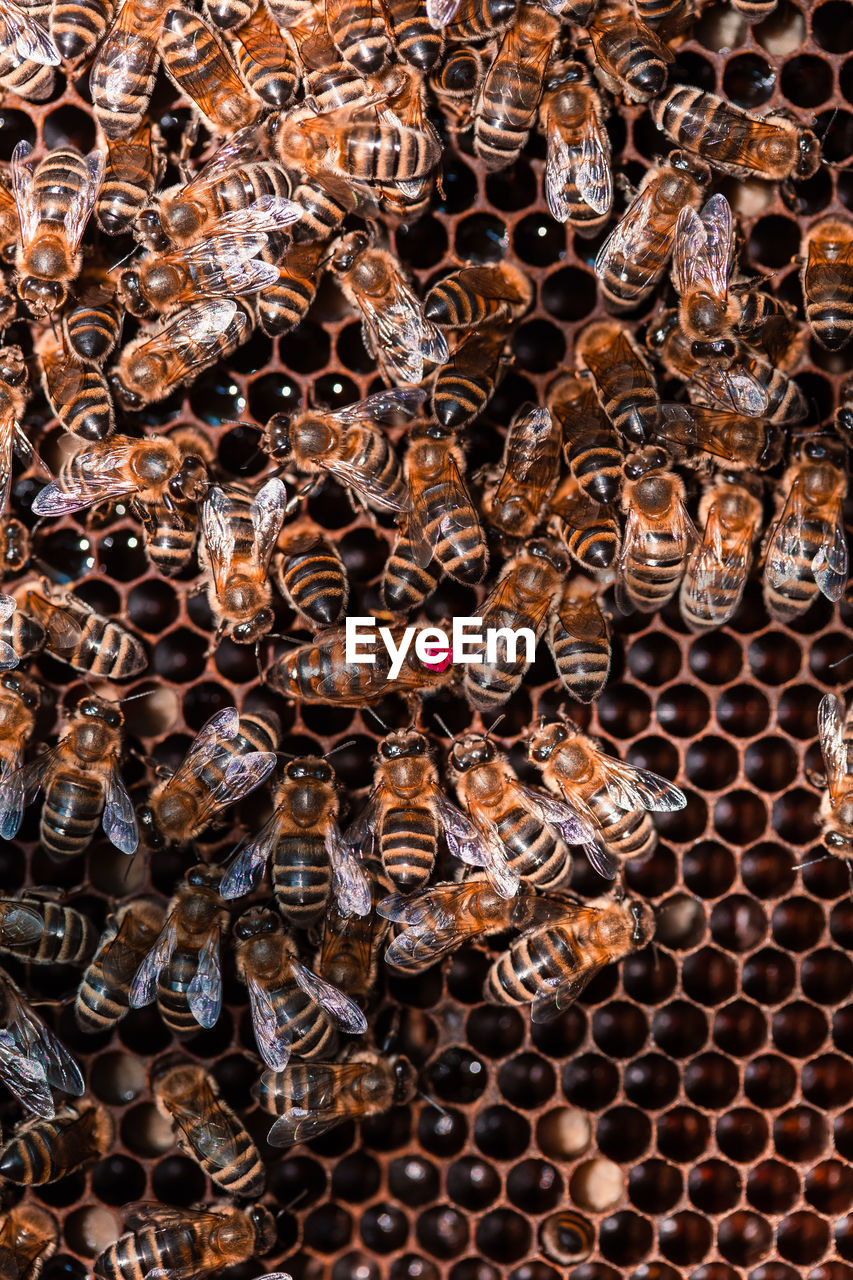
692	1114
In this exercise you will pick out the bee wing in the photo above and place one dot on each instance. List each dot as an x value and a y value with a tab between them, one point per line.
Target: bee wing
227	265
218	534
316	1082
221	727
268	512
423	909
241	146
344	1012
195	334
830	564
472	846
61	628
8	431
382	405
631	788
83	201
22	189
218	1138
714	570
26	1079
501	877
422	949
119	817
299	1125
25	38
262	216
703	247
735	388
573	820
8	605
363	482
38	1043
787	545
454	501
400	331
204	994
548	1004
19	924
250	860
489	283
361	834
440	13
273	1040
242	775
144	985
831	715
105	474
119	955
19	789
351	886
584	161
634	239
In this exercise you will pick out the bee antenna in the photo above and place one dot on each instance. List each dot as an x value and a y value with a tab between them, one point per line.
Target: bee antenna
349	742
432	1102
378	718
494	725
840	662
812	862
116	265
447	730
132	697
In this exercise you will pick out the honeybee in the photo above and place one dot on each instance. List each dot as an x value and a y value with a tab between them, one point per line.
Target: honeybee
198	1242
32	81
407	810
310	1098
416	38
232	181
82	786
225	264
293	1009
440	919
54	202
76	389
72	632
702	260
591	446
345	445
623	381
465	385
266	58
521	601
206	1129
631	58
320	671
239	534
209	778
93	323
508	100
508	812
455	83
32	1060
395	330
21	925
161	478
836	809
309	857
711	590
827	278
28	1237
310	574
528	473
578	182
125	67
103	994
633	258
589	529
14	394
282	305
474	296
659	534
196	61
441	519
44	1150
579	640
161	359
769	324
78	28
734	140
349	953
612	795
806	547
182	969
63	934
550	965
404	100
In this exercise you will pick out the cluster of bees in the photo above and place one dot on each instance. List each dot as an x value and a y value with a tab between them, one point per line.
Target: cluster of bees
313	125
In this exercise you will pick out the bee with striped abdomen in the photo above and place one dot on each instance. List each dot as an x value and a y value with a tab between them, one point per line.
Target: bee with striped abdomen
827	279
440	518
591	446
578	177
82	786
134	167
702	262
474	296
579	640
466	383
309	858
33	1062
508	100
281	306
549	966
206	1129
806	546
197	1242
621	375
310	574
513	501
20	699
730	513
615	797
197	62
659	534
266	57
311	1098
103	995
589	529
349	953
93	323
294	1011
45	1150
239	534
64	936
125	67
77	390
631	58
73	633
360	33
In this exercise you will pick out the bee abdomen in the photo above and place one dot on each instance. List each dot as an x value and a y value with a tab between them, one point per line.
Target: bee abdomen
72	810
405	583
107	650
68	937
534	852
597	469
582	654
408	846
529	965
595	546
316	584
654	580
172	987
630	834
312	1035
99	1005
76	28
302	879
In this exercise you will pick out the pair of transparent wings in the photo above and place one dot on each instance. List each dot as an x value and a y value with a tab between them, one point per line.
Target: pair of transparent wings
834	742
719	567
25	38
580	160
102	473
397	401
321	1095
204	993
32	1059
398	333
193	338
272	1032
8	657
792	543
80	204
218	513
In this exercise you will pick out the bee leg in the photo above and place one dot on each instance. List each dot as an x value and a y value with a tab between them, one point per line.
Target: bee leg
188	141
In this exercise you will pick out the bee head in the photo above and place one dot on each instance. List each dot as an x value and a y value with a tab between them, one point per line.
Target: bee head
643	461
130	293
309	767
43	297
191	480
657	333
809	157
472	750
255	628
839	844
406	743
13	369
545	741
124	397
277	436
149	230
348	250
405	1080
203	877
22	688
548	549
98	709
256	921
